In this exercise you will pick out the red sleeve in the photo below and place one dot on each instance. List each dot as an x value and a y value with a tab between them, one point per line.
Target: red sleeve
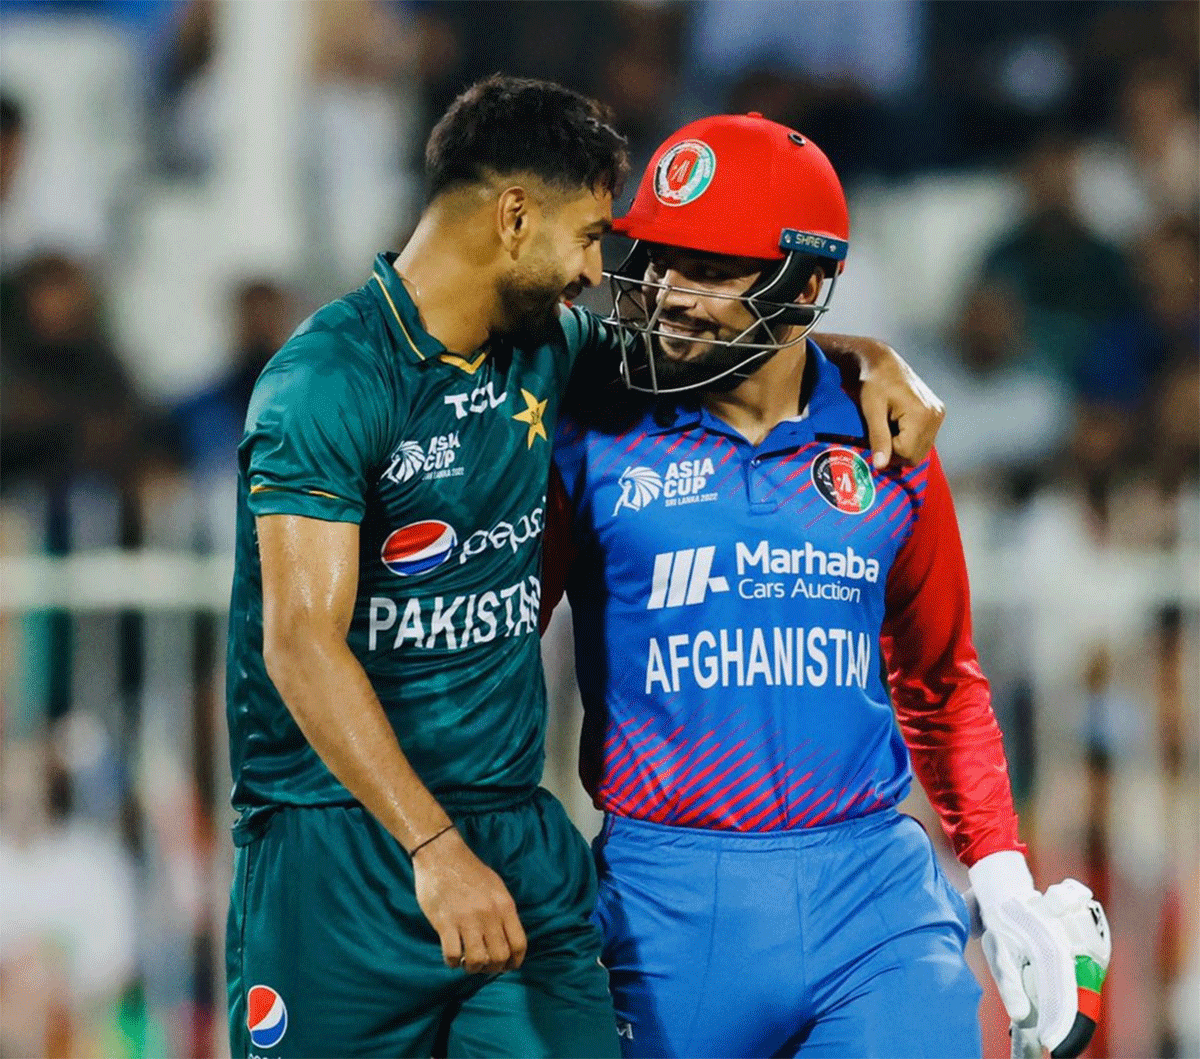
558	547
942	699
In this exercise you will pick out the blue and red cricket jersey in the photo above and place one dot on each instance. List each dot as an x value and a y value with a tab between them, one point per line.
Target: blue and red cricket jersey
742	611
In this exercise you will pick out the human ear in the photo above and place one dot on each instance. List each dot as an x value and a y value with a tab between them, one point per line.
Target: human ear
812	289
512	219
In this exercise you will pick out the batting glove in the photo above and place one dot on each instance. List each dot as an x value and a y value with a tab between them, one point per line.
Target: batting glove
1048	953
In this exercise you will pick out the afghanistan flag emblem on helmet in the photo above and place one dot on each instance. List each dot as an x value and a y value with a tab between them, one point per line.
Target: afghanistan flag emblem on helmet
684	173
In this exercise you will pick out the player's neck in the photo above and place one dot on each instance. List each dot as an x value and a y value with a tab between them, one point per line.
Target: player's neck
448	282
764	400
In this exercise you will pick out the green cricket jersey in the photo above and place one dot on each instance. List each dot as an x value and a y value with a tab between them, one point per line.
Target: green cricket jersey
443	461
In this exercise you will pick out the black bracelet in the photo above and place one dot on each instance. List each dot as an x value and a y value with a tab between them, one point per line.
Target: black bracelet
421	845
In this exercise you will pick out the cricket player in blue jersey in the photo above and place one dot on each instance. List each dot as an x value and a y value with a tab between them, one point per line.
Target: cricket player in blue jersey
751	600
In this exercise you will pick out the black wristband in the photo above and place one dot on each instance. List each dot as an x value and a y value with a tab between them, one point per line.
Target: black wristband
421	845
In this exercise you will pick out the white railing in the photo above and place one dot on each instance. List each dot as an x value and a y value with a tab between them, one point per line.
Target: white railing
116	580
177	580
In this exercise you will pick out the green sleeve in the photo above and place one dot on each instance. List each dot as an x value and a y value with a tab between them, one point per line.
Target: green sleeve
589	337
316	429
595	348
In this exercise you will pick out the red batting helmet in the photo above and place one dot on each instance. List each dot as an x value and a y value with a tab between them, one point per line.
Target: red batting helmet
742	186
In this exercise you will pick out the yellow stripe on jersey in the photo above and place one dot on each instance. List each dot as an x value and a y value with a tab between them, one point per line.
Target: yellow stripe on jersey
469	366
395	312
453	359
281	489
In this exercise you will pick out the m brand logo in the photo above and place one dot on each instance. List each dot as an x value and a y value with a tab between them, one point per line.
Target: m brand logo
681	579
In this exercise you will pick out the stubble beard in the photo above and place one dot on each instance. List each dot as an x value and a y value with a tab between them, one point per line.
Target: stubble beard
529	305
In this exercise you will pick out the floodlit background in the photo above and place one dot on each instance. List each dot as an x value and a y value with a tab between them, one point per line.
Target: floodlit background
182	182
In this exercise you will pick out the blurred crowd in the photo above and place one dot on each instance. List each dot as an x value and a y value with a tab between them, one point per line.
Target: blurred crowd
1024	187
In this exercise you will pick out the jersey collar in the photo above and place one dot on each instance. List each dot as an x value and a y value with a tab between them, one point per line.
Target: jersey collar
403	320
830	410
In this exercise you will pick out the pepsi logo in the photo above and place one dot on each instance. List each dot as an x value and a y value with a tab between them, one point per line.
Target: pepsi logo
266	1016
418	547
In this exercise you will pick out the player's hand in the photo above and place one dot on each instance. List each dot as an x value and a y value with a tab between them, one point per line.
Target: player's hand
469	906
1047	952
895	399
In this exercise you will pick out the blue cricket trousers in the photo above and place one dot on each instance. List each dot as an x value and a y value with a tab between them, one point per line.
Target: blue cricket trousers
840	941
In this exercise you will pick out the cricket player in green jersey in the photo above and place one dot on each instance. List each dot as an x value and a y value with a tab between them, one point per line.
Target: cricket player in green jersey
402	884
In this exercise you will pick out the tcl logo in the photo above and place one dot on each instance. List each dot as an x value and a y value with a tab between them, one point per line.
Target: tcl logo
480	399
681	579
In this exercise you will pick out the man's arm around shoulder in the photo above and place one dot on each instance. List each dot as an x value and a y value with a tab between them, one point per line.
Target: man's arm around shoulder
902	414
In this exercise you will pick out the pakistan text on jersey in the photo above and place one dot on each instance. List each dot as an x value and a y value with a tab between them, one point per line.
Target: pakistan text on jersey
796	657
455	621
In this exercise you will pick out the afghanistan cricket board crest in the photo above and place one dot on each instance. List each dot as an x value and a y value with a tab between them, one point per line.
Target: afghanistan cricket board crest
843	478
684	173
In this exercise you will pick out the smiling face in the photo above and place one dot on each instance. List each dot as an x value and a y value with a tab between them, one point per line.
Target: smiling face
699	298
705	328
558	260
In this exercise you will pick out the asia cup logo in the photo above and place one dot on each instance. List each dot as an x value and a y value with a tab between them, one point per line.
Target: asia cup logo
418	547
684	173
266	1016
407	461
844	480
639	485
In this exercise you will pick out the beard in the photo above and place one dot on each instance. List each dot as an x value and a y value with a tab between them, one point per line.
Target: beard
734	364
529	305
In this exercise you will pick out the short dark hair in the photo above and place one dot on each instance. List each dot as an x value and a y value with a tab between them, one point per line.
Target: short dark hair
514	124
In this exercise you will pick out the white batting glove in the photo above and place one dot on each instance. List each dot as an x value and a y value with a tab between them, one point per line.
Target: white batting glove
1047	952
